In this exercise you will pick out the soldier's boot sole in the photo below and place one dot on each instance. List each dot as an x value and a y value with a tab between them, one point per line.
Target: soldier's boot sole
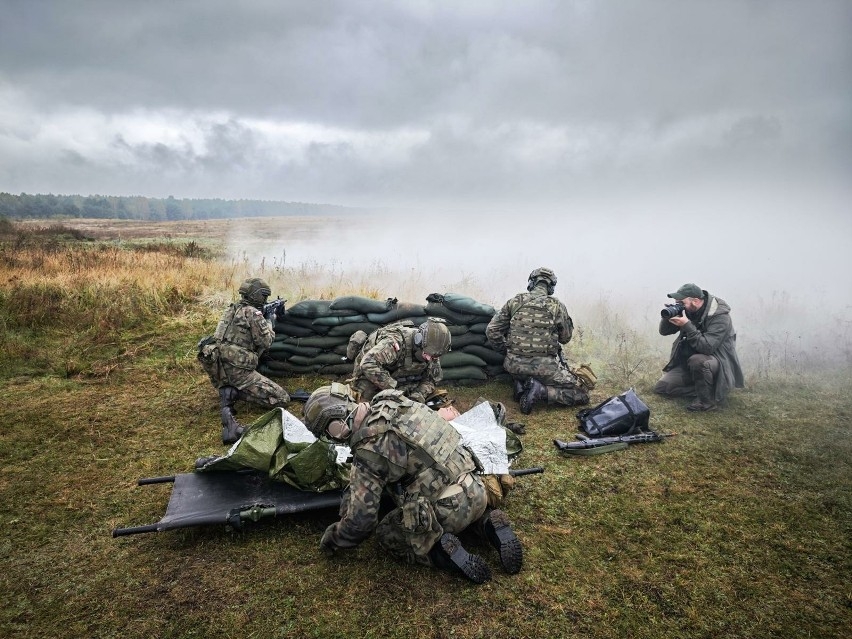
528	399
471	566
534	392
498	530
525	400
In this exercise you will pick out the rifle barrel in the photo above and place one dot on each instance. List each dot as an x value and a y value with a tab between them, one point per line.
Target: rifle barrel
526	471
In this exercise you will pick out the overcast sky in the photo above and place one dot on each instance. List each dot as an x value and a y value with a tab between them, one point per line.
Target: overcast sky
408	102
631	145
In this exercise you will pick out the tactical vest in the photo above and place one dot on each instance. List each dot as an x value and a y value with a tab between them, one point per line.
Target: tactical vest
430	439
531	327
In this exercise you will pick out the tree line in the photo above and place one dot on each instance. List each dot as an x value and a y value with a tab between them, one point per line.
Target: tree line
25	206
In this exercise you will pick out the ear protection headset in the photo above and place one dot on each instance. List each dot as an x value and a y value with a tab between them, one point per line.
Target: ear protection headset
339	429
542	275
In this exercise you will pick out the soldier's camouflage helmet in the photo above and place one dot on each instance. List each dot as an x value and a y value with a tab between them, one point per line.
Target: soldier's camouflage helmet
327	405
255	291
542	274
433	337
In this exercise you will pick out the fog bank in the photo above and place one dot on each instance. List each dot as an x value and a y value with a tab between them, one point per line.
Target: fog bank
781	259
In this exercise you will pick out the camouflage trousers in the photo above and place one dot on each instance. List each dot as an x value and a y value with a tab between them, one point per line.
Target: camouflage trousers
410	531
562	385
251	386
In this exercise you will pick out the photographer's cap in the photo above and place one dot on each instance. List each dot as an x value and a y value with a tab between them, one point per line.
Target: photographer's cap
687	290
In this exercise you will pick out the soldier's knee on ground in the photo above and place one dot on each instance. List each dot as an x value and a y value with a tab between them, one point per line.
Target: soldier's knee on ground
662	388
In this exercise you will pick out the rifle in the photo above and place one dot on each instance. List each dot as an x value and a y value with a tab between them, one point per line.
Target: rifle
526	471
274	310
600	445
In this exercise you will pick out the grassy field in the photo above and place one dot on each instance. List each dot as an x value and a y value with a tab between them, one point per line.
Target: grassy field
739	526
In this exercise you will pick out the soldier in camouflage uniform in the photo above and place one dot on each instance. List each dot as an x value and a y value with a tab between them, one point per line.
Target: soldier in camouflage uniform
403	357
230	357
530	329
403	450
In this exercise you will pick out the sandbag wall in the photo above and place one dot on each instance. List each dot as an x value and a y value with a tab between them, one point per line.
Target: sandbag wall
312	336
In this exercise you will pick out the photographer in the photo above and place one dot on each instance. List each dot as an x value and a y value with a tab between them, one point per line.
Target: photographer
704	361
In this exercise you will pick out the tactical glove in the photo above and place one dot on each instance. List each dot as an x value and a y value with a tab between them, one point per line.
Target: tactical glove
586	376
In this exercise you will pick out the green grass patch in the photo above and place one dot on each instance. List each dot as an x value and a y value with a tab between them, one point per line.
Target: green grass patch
739	526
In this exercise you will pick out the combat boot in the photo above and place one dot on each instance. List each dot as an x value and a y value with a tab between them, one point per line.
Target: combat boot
702	402
449	554
517	390
535	392
497	528
232	430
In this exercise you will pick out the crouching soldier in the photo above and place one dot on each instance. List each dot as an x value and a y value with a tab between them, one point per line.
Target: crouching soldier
230	357
404	450
404	357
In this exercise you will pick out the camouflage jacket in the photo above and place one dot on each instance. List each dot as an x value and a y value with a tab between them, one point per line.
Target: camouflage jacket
402	449
242	335
389	362
531	324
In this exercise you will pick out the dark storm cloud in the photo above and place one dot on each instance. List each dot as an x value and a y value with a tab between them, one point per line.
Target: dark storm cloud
392	102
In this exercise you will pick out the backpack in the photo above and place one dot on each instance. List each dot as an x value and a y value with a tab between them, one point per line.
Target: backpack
623	414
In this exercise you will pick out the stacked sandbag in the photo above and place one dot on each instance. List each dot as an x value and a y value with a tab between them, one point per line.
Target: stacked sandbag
312	336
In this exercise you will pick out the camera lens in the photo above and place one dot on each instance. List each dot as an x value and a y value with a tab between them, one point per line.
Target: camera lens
672	310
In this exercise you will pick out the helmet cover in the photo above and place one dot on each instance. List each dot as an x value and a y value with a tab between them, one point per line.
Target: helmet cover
327	404
255	291
433	337
542	274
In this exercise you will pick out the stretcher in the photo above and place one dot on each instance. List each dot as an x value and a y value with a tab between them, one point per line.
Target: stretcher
246	483
229	498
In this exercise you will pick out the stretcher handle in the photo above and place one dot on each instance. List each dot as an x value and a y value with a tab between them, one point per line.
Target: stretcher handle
156	480
122	532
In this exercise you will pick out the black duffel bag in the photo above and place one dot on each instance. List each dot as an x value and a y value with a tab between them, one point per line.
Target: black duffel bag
623	414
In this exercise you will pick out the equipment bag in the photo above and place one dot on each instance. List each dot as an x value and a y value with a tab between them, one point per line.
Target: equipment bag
619	415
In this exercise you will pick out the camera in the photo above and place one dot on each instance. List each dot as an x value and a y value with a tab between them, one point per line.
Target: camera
672	310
